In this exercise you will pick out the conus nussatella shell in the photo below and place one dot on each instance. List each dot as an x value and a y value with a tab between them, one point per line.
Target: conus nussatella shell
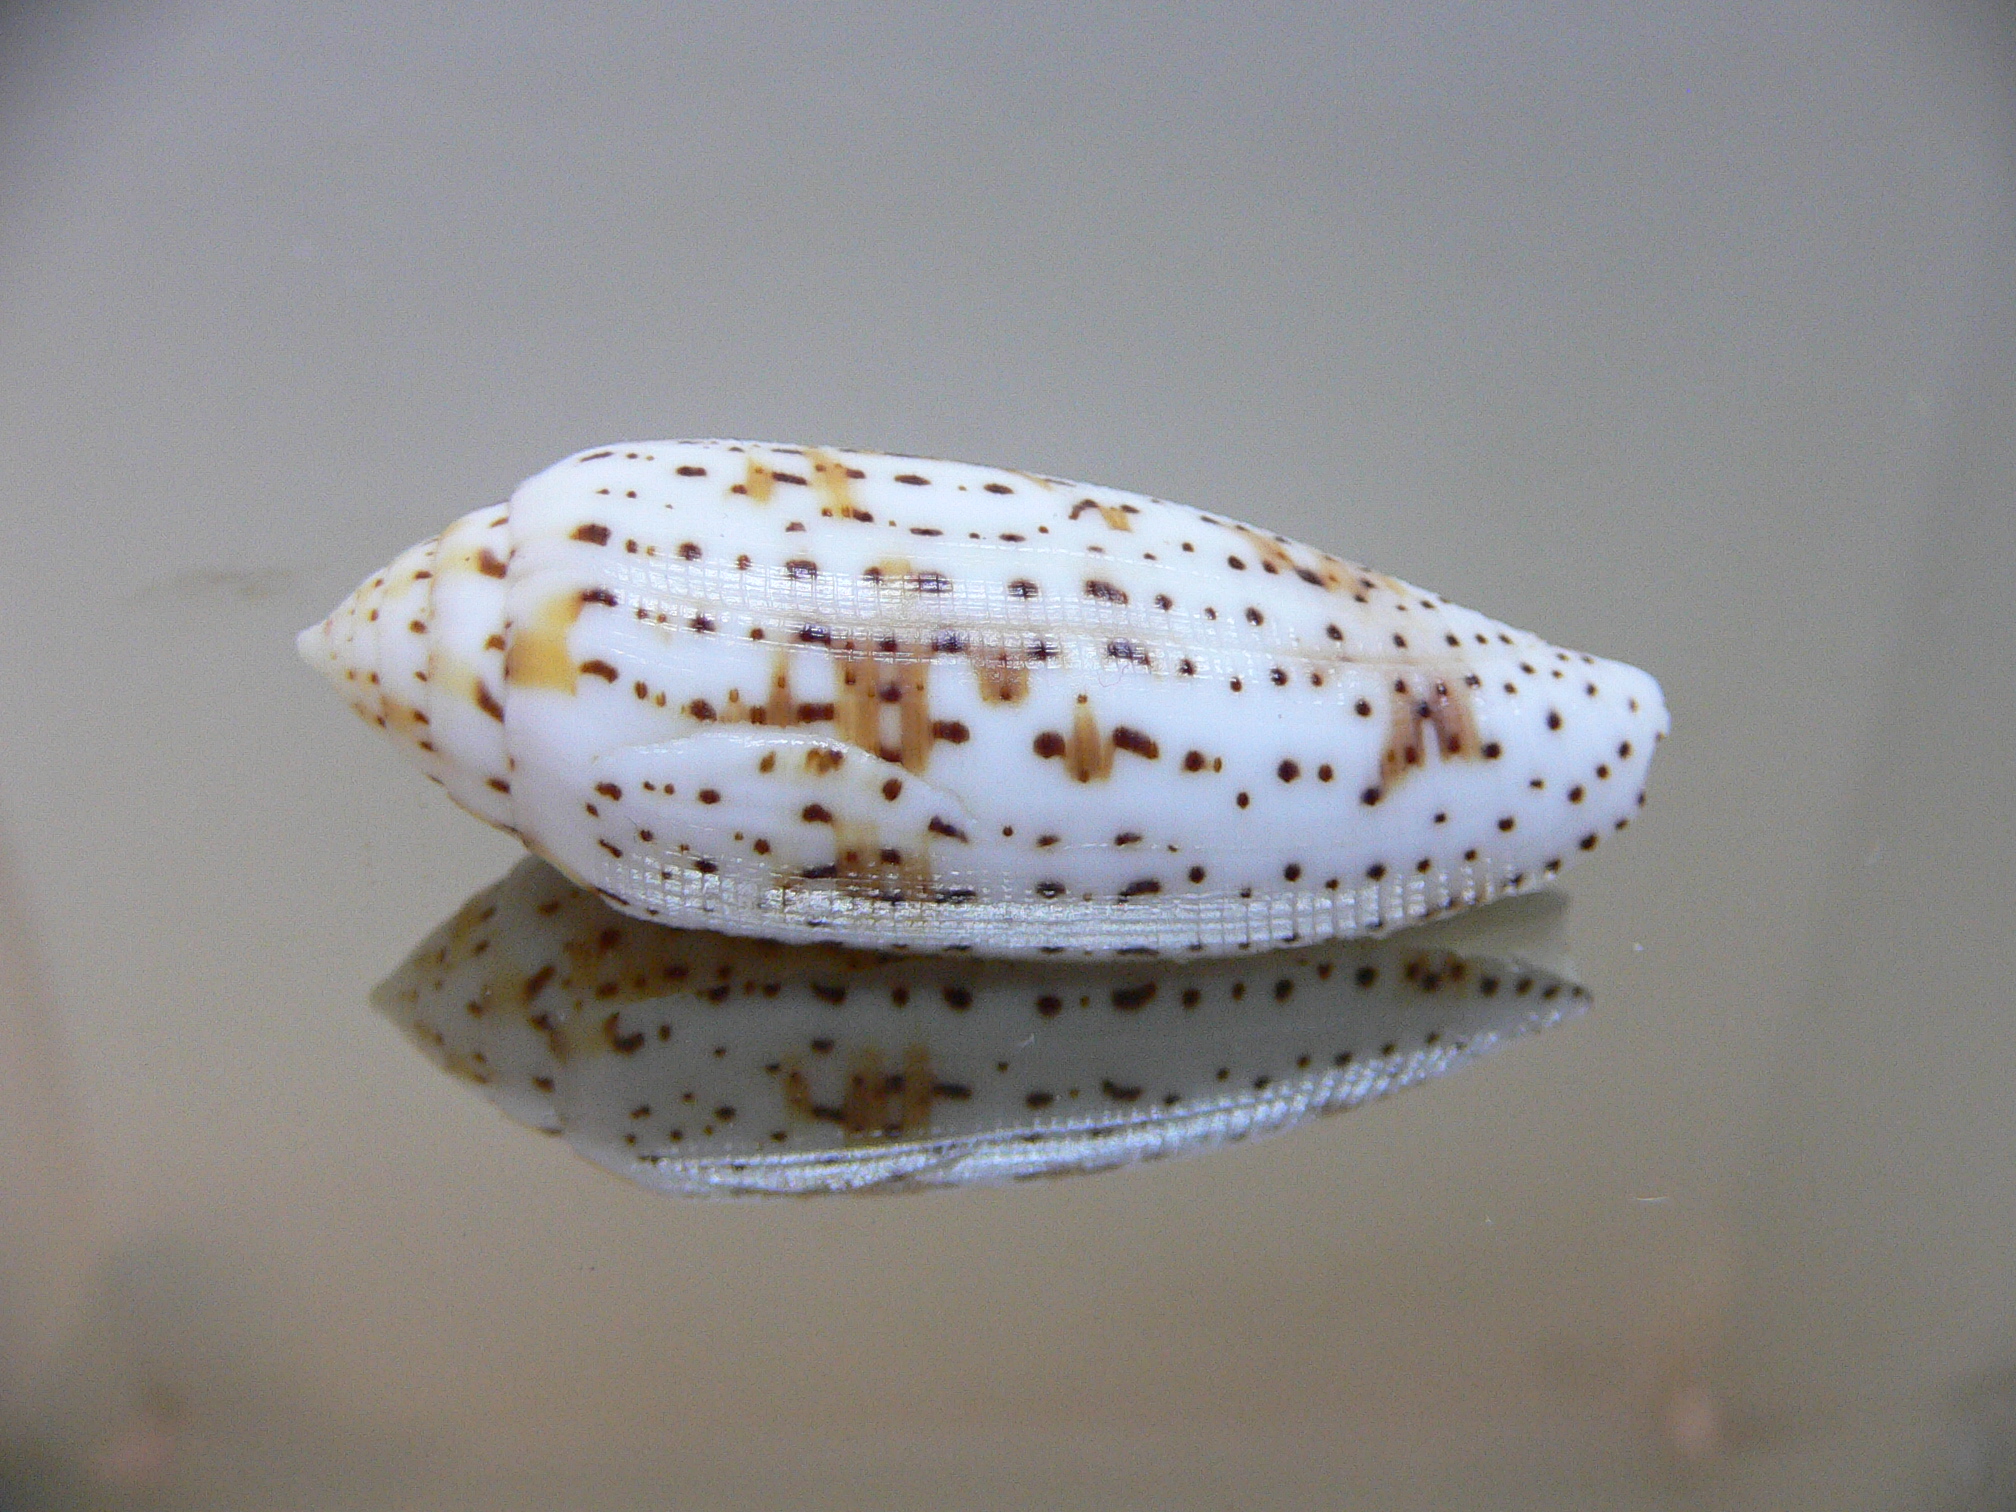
819	694
699	1064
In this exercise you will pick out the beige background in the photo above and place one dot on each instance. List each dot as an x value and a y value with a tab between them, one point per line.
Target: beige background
1686	340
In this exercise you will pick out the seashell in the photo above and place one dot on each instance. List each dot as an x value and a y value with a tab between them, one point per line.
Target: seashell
700	1064
804	693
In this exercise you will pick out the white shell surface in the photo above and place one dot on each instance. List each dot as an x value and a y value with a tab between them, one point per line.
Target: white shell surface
701	1064
925	705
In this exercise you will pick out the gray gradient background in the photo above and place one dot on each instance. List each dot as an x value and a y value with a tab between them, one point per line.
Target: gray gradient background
1686	340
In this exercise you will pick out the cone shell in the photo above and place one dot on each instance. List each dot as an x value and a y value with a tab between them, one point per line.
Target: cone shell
919	705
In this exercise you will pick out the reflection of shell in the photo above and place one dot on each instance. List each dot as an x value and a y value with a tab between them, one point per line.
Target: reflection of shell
924	705
692	1062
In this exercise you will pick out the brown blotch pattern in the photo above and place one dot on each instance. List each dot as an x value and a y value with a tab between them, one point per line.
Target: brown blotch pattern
1427	706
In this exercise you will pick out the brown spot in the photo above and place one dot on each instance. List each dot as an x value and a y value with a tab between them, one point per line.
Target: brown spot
1099	588
592	596
802	567
621	1043
1131	998
1141	887
488	564
599	668
594	535
915	480
1126	739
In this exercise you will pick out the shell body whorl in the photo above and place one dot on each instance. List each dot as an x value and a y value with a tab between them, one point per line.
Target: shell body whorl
817	694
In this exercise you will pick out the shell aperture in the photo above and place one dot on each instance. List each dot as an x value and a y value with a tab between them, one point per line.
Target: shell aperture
700	1064
813	694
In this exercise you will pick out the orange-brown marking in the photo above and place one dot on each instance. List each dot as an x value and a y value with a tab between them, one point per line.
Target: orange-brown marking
864	867
836	490
1437	702
867	686
401	718
537	656
1087	753
876	1103
757	482
1328	571
1115	515
1002	673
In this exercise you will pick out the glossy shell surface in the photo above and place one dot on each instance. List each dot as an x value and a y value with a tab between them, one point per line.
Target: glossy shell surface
924	705
696	1063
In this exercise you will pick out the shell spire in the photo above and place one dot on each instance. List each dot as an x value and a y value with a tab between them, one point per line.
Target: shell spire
883	701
